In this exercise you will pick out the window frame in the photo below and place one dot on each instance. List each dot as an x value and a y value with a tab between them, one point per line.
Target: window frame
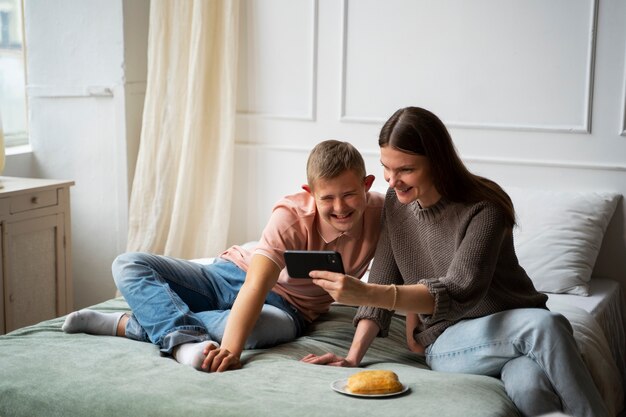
21	137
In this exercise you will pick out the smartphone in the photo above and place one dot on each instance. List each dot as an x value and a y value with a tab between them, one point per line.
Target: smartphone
301	262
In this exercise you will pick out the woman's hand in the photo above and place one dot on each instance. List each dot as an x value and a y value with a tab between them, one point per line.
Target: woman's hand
219	360
327	359
343	288
412	321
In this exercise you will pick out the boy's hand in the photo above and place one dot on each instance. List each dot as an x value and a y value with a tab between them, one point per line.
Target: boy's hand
343	288
327	359
219	360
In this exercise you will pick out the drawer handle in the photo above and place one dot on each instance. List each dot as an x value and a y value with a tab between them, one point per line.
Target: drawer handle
11	298
34	200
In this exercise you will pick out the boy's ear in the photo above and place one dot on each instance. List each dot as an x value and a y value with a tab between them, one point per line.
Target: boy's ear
306	188
369	180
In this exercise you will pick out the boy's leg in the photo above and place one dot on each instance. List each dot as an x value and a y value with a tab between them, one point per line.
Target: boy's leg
176	302
164	295
273	326
160	291
202	296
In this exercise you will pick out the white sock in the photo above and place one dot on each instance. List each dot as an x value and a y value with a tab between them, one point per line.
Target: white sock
192	354
92	322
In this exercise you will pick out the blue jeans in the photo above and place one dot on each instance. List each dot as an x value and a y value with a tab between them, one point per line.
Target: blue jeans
532	351
174	301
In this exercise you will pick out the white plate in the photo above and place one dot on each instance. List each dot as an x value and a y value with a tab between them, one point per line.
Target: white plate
340	386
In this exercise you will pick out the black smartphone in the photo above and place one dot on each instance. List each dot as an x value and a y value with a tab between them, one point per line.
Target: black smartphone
301	262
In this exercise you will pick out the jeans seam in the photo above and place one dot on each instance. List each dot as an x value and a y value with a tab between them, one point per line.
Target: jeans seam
466	349
200	330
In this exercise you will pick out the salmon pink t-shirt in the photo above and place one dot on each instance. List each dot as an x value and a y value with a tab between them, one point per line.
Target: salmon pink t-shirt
294	225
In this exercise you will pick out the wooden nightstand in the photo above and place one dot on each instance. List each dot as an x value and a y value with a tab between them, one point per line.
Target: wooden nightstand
35	267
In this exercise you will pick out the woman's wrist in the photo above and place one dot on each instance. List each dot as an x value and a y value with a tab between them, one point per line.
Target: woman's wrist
351	362
395	297
381	296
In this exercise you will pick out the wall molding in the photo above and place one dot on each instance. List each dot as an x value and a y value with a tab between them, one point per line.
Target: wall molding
312	113
546	163
482	126
371	153
343	69
591	64
585	127
623	127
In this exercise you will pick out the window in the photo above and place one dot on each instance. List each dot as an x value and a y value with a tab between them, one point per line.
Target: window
13	110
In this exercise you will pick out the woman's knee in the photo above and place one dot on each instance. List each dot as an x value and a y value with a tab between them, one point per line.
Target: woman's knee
551	322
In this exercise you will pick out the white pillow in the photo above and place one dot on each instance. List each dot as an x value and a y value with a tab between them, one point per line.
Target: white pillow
559	234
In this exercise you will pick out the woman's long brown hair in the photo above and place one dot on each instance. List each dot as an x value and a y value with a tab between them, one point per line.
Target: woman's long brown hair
417	131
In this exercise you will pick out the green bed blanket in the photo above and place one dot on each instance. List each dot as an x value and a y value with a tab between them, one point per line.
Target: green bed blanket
45	372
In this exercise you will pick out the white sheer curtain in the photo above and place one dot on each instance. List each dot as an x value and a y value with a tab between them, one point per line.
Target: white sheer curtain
181	195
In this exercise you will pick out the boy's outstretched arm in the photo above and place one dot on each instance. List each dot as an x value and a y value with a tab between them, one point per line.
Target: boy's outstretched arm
365	333
260	278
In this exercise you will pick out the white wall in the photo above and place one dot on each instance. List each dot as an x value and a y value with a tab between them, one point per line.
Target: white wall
533	92
86	65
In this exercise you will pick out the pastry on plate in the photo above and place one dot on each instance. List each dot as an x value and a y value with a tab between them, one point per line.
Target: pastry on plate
372	382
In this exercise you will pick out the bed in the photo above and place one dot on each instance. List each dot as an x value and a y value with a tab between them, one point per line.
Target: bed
44	371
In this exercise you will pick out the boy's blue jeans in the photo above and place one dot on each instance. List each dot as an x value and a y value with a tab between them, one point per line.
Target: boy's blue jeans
533	351
174	301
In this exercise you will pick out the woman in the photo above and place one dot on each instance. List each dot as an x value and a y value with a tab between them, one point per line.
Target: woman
446	257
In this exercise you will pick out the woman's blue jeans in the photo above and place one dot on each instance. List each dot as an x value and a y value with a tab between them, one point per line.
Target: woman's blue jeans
174	301
534	353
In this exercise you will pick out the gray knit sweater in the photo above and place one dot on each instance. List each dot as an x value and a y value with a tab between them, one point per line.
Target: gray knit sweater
463	253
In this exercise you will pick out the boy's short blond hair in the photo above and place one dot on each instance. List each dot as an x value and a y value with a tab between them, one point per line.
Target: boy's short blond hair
331	158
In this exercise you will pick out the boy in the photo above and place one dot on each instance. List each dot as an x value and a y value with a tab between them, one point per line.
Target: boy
205	315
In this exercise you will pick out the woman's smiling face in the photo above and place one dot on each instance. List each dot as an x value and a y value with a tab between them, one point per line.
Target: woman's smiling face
409	175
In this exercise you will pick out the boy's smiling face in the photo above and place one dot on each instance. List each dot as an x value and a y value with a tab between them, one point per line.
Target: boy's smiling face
341	201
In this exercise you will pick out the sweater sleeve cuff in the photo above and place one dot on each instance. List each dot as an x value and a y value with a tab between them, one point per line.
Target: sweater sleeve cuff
442	300
380	316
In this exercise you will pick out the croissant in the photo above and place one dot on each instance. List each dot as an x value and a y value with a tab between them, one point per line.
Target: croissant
374	382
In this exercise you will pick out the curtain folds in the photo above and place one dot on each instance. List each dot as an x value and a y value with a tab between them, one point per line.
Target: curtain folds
181	195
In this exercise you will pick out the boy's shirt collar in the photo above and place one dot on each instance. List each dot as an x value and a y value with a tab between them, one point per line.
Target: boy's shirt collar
330	234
